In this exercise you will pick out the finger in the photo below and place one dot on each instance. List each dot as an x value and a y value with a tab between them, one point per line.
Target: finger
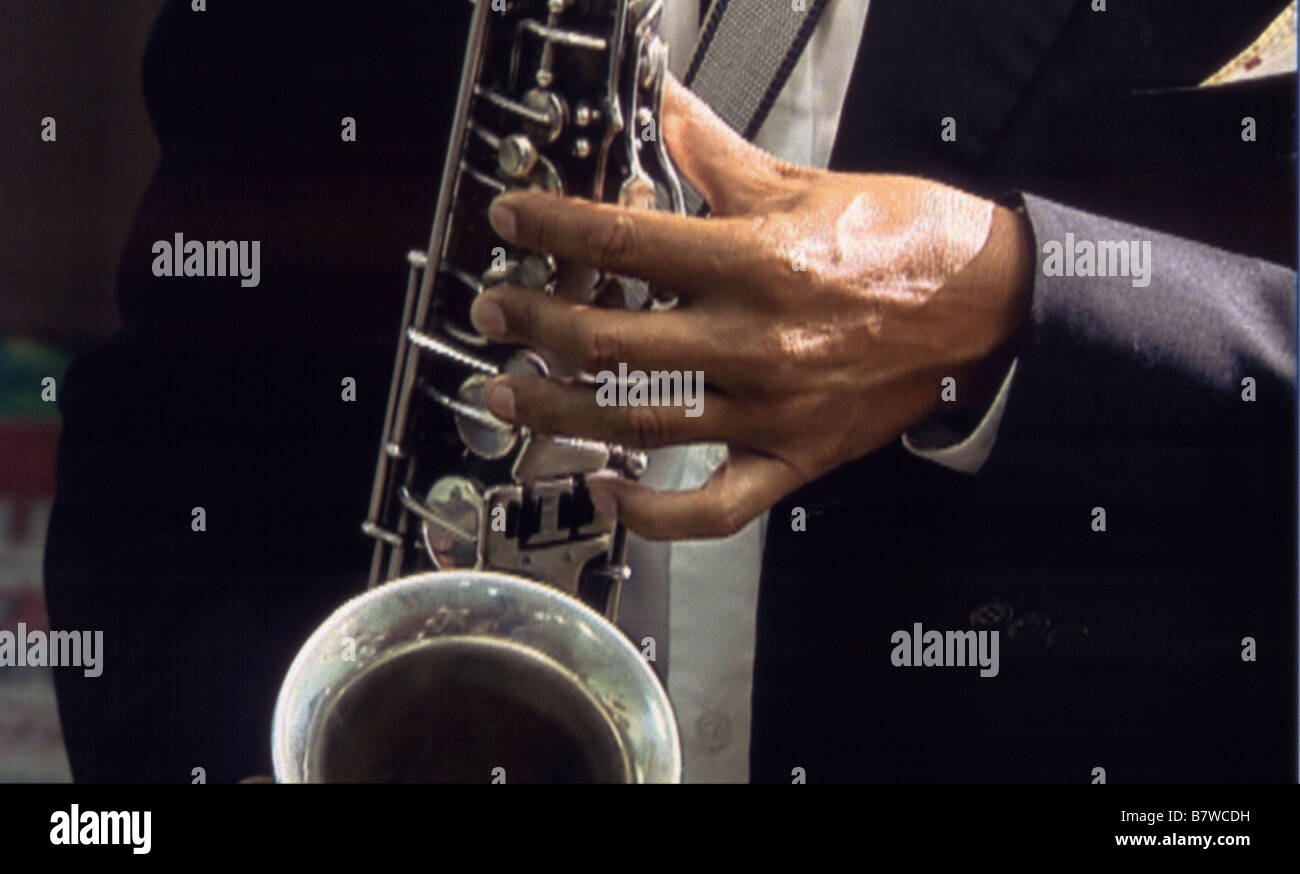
734	175
595	339
743	487
691	256
682	413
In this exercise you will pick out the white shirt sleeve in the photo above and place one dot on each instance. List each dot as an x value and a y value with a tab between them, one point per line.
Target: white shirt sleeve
967	454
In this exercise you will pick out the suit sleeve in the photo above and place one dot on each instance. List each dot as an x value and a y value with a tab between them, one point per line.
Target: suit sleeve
1210	323
1204	354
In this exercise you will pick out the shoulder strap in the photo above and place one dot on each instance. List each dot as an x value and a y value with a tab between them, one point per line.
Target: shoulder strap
746	53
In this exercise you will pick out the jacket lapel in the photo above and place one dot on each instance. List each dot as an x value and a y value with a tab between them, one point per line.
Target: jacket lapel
924	60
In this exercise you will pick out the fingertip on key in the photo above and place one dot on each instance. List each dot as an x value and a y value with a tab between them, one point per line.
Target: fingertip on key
603	500
488	318
503	219
500	400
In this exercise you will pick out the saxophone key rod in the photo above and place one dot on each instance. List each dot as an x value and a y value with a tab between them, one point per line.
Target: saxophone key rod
481	177
560	36
410	502
536	116
418	261
468	281
446	350
469	411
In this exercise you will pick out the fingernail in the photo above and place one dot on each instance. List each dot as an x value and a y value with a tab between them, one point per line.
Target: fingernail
501	401
502	218
604	502
488	318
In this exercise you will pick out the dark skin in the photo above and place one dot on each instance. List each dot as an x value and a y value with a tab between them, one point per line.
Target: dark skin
824	310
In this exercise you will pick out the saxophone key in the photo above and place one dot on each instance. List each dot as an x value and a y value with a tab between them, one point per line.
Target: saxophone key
451	516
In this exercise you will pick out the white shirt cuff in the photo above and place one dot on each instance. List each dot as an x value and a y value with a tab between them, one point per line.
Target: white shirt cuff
966	455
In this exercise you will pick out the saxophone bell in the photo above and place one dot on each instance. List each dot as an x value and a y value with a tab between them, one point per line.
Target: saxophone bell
472	677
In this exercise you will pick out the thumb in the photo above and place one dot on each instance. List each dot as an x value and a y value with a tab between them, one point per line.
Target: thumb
742	488
734	175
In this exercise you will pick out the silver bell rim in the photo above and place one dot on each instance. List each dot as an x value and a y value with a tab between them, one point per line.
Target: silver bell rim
485	606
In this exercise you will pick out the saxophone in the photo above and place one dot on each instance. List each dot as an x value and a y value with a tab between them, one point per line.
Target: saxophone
485	649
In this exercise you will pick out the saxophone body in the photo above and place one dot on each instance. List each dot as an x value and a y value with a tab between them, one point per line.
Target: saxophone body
485	649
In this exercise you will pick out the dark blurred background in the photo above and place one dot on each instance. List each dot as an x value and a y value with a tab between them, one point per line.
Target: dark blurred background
65	210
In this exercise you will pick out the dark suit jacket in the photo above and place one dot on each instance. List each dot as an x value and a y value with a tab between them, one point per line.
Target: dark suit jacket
229	398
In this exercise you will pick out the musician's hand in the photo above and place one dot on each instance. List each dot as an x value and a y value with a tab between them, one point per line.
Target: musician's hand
824	310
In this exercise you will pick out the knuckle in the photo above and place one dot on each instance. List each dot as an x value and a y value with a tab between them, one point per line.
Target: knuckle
786	261
526	317
603	348
529	410
787	171
779	249
547	408
645	427
545	418
614	242
726	515
781	348
549	226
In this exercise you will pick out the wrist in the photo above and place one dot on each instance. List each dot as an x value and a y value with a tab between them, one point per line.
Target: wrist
1000	280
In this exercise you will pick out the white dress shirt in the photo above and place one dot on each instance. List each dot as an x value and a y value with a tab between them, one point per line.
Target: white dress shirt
712	585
